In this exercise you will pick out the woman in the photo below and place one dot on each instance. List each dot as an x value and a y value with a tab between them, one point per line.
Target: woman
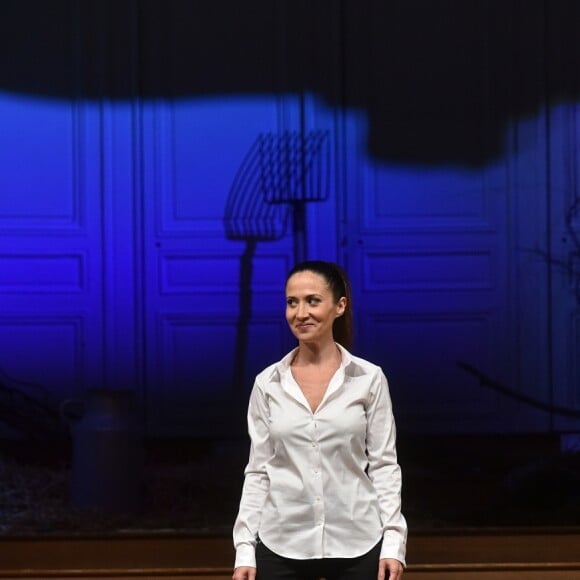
322	489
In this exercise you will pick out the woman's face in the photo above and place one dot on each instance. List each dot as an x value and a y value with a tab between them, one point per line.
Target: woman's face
310	307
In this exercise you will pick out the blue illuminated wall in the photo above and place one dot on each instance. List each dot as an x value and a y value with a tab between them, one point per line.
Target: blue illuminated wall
450	187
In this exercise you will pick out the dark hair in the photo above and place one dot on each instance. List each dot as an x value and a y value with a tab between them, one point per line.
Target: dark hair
339	285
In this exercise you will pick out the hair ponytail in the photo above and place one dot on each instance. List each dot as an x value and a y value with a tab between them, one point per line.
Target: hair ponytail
342	328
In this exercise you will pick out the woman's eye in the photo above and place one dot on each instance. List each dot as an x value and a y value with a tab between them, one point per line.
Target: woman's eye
290	302
313	301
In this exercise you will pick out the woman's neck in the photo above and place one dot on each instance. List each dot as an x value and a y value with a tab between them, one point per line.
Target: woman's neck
316	353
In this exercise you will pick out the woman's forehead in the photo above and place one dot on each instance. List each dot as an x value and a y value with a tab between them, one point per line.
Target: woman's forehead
307	282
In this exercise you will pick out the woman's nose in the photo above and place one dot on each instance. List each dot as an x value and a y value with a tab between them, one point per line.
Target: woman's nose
302	311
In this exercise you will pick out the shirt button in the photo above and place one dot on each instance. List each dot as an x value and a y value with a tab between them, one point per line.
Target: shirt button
313	444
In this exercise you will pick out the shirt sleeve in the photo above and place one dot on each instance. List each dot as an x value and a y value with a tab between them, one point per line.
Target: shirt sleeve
256	481
384	471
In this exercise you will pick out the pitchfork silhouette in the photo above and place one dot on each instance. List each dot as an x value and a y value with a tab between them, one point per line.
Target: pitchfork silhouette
279	175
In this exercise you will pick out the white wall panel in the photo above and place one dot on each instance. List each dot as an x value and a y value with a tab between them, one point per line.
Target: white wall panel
45	350
422	198
197	271
200	391
41	165
197	147
420	355
42	273
428	270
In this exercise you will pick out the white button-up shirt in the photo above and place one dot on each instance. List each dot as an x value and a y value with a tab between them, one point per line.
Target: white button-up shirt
323	484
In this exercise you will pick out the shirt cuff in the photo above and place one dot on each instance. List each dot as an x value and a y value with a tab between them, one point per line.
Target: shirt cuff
245	556
393	548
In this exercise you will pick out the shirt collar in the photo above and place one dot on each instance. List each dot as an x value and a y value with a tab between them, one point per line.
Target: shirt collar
283	365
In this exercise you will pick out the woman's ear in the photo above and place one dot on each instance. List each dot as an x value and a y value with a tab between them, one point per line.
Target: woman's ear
341	306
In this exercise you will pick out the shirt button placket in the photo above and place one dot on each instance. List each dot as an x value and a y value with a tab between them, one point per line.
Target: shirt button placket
317	480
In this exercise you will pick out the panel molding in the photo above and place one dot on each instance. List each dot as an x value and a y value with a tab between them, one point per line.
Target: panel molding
35	222
169	321
43	272
203	370
36	343
433	264
168	222
375	220
193	272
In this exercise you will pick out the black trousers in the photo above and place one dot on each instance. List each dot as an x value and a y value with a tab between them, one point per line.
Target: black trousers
270	566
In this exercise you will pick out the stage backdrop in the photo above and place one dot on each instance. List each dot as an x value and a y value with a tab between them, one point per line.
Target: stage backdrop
163	165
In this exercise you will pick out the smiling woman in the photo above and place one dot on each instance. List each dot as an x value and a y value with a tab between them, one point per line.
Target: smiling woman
322	489
328	283
311	308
